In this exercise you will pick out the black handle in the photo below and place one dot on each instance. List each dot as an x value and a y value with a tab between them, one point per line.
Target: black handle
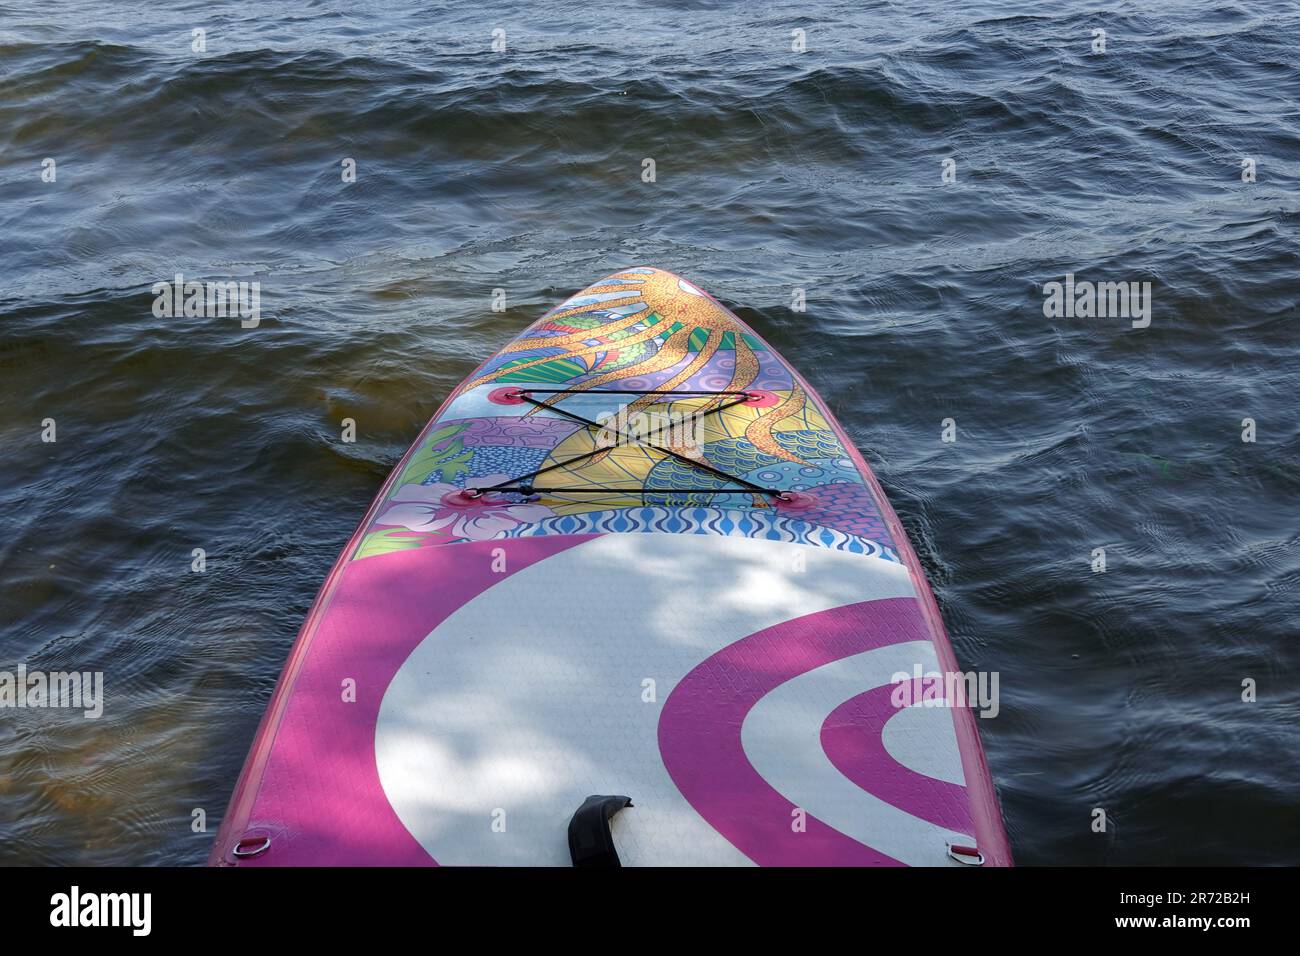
590	842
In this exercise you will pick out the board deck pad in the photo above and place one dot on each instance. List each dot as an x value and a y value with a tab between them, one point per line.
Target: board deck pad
709	619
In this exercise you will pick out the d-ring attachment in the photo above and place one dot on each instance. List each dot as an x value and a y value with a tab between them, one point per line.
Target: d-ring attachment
966	855
251	846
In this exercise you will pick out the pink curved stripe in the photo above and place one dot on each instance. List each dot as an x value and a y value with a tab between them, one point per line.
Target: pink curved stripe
317	794
990	832
853	740
700	730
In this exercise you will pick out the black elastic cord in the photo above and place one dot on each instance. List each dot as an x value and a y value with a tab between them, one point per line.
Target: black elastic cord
603	490
523	484
667	451
619	391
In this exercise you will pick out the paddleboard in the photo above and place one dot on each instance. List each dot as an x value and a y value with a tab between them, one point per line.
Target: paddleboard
631	598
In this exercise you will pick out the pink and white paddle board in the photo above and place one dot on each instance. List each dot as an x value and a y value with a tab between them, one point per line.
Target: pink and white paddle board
633	554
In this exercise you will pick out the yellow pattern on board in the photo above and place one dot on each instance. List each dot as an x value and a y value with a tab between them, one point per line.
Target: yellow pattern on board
628	465
663	295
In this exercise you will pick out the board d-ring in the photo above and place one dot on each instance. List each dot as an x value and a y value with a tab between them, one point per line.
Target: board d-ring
965	855
251	846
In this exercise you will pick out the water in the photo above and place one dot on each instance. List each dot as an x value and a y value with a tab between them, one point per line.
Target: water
775	171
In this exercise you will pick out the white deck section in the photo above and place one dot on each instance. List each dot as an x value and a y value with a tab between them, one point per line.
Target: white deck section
530	698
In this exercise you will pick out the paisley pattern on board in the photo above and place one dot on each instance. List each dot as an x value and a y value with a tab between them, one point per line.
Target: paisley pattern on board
642	332
698	520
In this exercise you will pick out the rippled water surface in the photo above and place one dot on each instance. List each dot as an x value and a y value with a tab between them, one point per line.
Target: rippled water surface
776	170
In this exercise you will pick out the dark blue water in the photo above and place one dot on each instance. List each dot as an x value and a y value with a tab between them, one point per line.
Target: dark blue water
775	170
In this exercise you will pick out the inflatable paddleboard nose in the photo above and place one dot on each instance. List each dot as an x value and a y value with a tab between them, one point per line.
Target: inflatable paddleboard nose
636	491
